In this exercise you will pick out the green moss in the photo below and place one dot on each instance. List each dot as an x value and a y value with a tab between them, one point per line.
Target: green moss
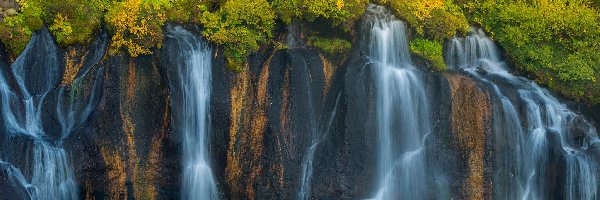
334	48
430	50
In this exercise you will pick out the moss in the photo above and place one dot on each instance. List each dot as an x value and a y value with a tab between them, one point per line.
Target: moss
430	50
335	48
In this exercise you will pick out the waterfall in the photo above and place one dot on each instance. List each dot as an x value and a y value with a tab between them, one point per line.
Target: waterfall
194	73
402	109
307	163
23	89
524	123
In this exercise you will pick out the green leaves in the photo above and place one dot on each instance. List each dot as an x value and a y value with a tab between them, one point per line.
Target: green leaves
557	41
434	19
239	29
334	47
430	50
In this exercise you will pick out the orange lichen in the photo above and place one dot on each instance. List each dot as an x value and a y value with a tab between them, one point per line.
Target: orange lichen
72	66
237	94
155	156
470	123
129	126
288	137
283	126
328	71
88	191
116	174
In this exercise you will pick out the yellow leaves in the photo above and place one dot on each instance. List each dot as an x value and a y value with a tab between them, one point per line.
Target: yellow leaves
61	27
136	26
423	8
339	4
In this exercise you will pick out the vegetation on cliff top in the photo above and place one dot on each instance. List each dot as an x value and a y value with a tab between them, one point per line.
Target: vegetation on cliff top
556	42
237	29
430	50
335	48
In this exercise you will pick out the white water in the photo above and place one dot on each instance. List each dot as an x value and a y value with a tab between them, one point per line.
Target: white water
50	176
307	163
523	148
195	75
402	109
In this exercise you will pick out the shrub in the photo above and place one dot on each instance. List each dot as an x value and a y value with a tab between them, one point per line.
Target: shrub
333	47
74	21
340	12
16	30
239	29
434	19
556	41
430	50
136	25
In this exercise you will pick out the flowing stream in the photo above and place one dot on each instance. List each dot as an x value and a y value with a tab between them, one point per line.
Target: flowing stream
35	73
402	109
524	146
307	164
194	70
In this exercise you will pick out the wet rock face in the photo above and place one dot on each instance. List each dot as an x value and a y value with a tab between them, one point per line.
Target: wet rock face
273	110
471	131
10	184
127	150
346	160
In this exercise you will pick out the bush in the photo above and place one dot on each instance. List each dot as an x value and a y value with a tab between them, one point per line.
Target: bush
333	47
430	50
434	19
16	30
74	21
556	41
184	11
136	25
340	12
239	29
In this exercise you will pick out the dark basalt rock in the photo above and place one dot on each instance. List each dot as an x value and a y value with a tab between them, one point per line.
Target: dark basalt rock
345	161
12	188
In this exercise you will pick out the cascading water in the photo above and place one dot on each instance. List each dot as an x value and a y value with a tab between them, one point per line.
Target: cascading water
36	72
402	109
194	71
523	146
307	164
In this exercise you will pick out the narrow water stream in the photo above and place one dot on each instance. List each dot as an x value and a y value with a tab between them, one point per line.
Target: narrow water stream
194	70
